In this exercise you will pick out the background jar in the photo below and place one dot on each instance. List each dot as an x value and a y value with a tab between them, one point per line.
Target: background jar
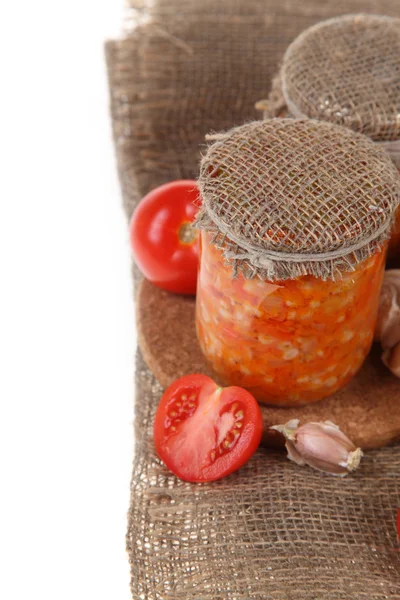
290	330
346	71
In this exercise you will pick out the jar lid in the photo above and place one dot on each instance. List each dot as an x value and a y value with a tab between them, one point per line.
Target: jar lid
290	197
346	70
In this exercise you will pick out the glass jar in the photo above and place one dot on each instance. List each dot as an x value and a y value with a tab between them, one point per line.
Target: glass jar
288	342
294	221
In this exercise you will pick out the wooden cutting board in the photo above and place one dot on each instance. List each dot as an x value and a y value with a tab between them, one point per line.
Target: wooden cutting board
367	410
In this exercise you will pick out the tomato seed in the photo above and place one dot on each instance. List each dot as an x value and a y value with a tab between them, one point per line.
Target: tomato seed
184	397
173	413
192	397
238	424
234	406
239	414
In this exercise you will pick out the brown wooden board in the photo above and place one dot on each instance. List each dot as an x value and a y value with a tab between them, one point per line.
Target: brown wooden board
367	410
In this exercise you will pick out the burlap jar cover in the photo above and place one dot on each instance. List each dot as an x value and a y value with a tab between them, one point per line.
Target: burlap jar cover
273	530
346	71
292	197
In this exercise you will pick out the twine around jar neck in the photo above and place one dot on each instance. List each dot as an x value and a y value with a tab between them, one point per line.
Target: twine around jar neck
263	258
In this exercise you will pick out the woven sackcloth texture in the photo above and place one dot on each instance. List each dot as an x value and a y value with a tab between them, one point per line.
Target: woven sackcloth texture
291	197
273	530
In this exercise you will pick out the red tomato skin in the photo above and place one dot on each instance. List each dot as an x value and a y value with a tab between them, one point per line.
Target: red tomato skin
161	257
233	459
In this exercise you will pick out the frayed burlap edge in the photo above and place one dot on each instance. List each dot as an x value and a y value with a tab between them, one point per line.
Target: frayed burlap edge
279	270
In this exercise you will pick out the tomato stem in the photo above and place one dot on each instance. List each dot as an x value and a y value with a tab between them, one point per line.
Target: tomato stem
187	234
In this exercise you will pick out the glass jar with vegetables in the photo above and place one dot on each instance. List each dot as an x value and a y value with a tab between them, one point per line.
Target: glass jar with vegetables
294	221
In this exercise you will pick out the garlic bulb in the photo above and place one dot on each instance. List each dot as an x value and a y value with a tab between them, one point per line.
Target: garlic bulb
387	330
322	446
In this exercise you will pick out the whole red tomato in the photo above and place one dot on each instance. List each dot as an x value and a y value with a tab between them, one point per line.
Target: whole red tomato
203	432
164	244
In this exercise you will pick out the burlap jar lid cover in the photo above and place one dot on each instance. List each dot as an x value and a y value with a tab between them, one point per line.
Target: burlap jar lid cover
290	197
346	70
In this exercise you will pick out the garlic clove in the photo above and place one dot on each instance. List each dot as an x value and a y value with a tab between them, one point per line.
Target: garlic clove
322	446
288	429
387	329
293	454
331	424
353	460
391	358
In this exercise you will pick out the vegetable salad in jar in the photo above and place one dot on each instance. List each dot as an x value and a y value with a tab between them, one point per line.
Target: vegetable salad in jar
288	342
295	220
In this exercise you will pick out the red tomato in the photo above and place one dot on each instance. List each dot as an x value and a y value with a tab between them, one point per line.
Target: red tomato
164	244
203	432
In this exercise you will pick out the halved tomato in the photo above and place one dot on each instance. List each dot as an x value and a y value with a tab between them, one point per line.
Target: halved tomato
203	432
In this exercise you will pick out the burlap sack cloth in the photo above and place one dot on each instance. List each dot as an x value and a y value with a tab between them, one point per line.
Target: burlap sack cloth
273	530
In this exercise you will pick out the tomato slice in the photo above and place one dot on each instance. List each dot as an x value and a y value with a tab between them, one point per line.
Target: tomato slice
203	432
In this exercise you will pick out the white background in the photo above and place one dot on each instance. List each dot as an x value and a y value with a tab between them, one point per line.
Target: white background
66	312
